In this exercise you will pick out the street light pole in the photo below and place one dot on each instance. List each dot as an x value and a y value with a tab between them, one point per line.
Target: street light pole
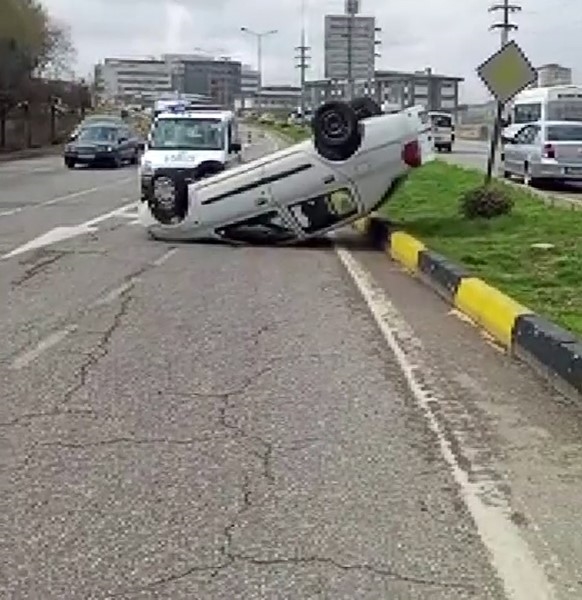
259	35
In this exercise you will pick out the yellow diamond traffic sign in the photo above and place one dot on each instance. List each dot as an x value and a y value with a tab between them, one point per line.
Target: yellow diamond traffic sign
507	72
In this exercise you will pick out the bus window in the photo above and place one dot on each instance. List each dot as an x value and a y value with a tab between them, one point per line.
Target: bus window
564	110
527	113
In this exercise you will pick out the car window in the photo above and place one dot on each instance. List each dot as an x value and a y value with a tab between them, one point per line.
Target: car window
266	228
527	135
321	212
564	133
527	113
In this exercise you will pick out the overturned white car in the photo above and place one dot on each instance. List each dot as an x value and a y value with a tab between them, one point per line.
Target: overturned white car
356	156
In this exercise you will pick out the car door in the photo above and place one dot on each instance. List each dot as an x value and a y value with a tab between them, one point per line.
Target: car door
303	185
230	196
515	151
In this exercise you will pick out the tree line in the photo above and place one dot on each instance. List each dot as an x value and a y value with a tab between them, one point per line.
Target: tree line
33	45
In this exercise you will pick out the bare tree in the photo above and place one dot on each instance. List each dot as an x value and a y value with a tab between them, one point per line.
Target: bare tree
58	53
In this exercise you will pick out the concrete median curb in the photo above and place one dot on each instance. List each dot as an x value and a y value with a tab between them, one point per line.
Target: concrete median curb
553	352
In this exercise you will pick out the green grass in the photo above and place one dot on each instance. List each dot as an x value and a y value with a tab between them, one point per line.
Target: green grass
500	250
295	133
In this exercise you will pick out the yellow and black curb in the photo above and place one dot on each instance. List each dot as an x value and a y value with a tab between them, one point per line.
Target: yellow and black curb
554	352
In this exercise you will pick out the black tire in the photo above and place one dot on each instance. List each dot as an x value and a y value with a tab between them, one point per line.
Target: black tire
135	158
166	210
449	148
69	163
365	107
336	131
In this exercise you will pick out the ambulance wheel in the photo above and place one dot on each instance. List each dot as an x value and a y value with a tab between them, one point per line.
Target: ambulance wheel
365	107
168	201
336	131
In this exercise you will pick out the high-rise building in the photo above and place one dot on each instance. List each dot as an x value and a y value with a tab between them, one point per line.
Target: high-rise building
345	32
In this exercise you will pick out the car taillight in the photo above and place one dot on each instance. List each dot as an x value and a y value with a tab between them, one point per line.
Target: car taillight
549	151
411	154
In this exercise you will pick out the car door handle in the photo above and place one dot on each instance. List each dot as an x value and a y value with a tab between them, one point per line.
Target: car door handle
329	179
261	201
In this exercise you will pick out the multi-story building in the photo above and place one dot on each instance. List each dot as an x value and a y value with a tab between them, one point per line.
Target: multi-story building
553	74
393	90
220	79
147	79
132	79
275	99
250	81
338	31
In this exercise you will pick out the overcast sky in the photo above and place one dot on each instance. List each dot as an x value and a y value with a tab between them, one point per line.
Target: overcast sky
451	36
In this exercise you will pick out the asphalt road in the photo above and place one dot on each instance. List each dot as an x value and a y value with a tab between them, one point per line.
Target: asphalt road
208	422
473	154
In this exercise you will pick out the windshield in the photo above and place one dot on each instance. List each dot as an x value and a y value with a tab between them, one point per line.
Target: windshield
564	133
564	110
187	134
99	134
441	120
527	113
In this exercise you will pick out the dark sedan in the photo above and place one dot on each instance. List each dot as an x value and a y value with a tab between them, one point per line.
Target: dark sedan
102	143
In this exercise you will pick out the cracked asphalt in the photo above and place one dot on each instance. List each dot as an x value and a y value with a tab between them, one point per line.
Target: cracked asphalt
209	422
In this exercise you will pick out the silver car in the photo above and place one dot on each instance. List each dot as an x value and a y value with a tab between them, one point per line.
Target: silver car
544	151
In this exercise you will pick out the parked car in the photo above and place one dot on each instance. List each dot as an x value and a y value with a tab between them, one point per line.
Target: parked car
544	150
357	156
103	143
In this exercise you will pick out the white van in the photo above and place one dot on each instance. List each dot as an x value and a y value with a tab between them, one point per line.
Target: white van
443	130
192	144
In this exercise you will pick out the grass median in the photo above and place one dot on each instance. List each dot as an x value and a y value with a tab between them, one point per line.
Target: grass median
500	250
294	133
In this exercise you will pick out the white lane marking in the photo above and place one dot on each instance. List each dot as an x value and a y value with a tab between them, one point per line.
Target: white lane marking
522	576
60	234
45	344
56	337
66	197
165	257
86	192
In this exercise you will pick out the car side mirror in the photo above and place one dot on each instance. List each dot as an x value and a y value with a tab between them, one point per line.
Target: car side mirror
235	147
121	140
72	137
508	140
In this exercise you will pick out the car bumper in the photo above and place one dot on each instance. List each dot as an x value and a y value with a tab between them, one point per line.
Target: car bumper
563	172
91	158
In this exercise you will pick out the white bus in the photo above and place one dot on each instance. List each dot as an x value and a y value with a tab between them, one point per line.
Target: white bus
556	103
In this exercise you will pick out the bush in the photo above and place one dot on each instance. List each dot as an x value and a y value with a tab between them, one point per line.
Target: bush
486	202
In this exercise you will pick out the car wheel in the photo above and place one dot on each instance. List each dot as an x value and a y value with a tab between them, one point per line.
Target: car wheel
168	201
449	148
336	131
135	158
365	107
69	163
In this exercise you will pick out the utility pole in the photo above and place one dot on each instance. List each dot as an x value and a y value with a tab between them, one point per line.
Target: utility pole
504	26
352	8
303	59
259	37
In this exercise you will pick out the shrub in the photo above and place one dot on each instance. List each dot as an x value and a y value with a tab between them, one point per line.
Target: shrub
486	202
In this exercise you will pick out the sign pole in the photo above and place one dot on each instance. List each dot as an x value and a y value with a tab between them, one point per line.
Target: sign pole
494	142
